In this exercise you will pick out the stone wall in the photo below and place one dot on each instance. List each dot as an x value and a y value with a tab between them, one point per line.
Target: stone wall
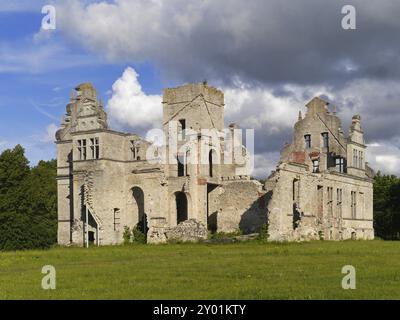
242	207
312	213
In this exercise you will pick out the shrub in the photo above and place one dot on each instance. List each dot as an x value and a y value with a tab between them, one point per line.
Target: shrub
138	236
127	235
264	235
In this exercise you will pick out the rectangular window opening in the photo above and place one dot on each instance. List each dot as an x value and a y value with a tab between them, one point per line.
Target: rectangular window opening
82	149
182	128
315	166
339	163
307	139
325	139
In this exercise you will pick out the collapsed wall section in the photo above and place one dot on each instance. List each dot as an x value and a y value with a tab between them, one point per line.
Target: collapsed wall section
242	206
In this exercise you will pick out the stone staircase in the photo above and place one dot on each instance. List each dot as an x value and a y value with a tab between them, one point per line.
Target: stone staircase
88	201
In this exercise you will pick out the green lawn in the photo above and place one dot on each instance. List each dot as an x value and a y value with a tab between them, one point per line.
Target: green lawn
206	271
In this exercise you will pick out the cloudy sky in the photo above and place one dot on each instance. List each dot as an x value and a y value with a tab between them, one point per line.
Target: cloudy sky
269	56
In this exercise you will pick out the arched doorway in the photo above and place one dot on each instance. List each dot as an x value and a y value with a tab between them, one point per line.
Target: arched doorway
138	195
181	207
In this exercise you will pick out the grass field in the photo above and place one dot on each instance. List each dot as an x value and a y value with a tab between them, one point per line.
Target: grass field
206	271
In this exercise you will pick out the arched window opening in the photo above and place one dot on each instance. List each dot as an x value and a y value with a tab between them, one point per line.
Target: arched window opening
138	195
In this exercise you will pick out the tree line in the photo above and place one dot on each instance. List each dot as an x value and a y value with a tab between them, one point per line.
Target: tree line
28	203
387	206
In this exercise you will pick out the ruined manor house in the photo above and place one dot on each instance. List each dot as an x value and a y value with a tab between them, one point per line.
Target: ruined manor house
109	180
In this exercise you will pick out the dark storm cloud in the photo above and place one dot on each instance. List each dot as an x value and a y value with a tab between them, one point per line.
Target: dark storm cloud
291	41
271	41
264	45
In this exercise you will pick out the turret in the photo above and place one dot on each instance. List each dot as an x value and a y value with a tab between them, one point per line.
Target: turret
356	148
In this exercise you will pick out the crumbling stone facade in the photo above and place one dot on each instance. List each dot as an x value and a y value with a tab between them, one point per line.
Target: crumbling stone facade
322	187
109	180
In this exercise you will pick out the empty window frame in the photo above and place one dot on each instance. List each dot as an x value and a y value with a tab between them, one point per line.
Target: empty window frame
296	191
95	148
353	205
315	164
182	128
134	150
330	201
307	141
360	159
339	163
82	149
325	139
339	197
117	217
181	165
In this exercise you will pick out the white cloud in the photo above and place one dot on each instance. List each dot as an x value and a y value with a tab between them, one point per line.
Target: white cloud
36	58
50	133
130	107
259	107
264	163
385	157
119	28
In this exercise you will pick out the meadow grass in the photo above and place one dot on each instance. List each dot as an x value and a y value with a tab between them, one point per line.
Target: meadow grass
251	270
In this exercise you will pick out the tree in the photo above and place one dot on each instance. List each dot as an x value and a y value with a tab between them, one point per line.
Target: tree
40	202
387	206
14	169
28	202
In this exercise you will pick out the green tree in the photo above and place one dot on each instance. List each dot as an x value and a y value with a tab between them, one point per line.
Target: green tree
387	206
28	202
14	169
41	198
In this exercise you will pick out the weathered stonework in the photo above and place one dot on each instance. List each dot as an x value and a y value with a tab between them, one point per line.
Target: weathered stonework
322	187
187	231
108	180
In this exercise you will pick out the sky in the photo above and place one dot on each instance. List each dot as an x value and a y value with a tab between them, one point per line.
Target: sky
269	57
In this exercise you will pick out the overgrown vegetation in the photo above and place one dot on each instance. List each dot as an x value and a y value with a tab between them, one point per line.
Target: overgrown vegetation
127	235
138	236
264	235
134	235
28	202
